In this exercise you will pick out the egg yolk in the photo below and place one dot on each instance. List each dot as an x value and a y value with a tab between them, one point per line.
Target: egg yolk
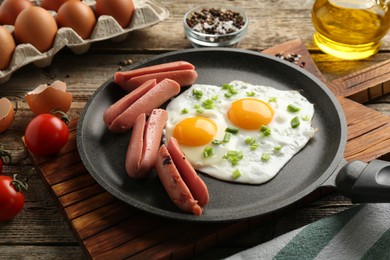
250	113
195	131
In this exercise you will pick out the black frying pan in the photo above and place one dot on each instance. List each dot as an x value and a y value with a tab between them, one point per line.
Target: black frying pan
317	164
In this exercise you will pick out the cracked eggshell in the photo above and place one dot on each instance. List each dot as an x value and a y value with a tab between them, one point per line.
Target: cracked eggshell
45	98
7	114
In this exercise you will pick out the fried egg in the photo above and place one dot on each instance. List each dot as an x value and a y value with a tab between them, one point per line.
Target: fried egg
239	132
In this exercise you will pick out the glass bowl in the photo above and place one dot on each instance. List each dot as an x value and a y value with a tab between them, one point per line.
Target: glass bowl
215	26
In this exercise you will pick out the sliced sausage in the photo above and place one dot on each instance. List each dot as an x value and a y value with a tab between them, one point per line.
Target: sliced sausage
152	99
122	104
144	143
194	183
174	184
183	77
121	77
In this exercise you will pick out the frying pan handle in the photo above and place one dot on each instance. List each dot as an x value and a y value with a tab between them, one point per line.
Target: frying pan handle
363	182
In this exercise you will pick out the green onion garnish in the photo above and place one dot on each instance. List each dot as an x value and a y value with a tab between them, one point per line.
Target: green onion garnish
273	99
184	111
226	137
214	98
197	93
250	140
254	146
265	157
295	122
277	148
250	94
216	142
265	130
236	174
207	152
230	90
292	108
208	104
231	130
228	94
305	118
233	157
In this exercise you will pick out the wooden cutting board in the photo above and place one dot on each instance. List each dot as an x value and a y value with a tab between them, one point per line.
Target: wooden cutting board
108	228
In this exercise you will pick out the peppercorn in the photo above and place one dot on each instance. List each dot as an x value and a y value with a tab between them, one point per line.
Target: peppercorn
215	21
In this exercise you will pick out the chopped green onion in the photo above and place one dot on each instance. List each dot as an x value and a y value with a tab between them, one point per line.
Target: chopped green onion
265	130
197	93
226	137
250	94
265	157
236	174
292	108
214	98
277	148
208	104
227	86
231	130
228	94
254	146
250	140
233	157
295	122
273	99
184	111
198	108
305	118
207	152
217	142
230	90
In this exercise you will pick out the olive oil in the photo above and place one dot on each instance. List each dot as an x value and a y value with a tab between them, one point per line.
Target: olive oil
350	29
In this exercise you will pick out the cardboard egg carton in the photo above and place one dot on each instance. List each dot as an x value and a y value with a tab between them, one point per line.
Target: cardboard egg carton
146	13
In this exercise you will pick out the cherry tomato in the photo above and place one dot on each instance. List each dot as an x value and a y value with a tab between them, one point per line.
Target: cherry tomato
46	134
11	198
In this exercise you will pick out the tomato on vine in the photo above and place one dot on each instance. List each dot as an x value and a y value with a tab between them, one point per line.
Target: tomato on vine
46	134
11	196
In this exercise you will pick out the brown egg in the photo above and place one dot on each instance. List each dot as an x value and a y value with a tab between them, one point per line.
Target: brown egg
10	9
121	10
53	4
78	16
45	98
36	26
7	114
7	48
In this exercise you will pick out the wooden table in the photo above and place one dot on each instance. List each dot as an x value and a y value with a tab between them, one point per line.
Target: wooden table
40	231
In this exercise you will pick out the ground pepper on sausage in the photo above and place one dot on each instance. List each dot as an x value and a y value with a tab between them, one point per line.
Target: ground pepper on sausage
167	160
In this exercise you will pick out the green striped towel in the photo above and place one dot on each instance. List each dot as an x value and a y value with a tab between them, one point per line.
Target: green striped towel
360	232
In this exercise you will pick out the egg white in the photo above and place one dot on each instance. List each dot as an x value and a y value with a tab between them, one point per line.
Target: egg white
253	169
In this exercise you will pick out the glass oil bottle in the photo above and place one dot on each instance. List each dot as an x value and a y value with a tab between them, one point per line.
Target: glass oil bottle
350	29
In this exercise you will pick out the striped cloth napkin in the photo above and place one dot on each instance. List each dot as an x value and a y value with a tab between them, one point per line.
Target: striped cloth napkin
360	232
